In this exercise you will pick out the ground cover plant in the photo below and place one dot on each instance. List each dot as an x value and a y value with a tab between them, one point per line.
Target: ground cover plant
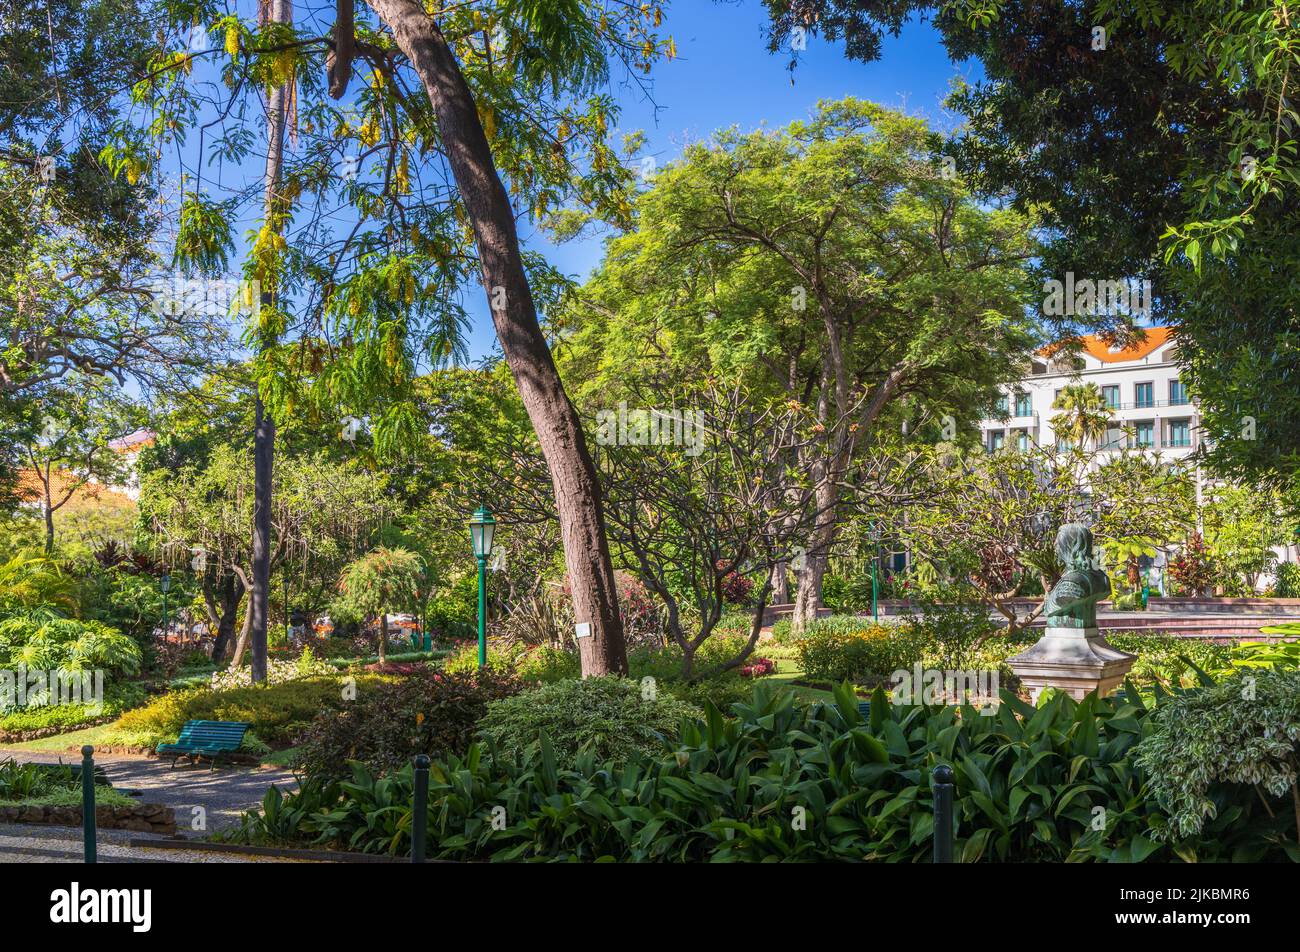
1029	782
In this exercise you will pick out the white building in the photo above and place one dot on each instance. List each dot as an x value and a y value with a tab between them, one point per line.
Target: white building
1150	406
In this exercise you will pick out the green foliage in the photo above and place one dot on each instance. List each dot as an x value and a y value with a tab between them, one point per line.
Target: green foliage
36	600
118	697
1243	524
1244	730
34	784
610	717
844	594
390	723
1027	783
382	581
278	713
848	649
1288	580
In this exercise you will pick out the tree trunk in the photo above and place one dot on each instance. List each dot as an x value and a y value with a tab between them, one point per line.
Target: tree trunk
230	595
554	418
808	590
280	11
242	644
49	527
780	584
383	638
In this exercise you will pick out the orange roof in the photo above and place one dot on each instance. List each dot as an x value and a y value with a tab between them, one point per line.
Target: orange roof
1092	344
87	496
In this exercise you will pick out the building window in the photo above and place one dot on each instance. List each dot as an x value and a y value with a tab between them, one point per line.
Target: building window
1022	440
1114	438
1024	406
1180	432
1001	405
1144	395
1177	393
1144	433
997	440
1111	396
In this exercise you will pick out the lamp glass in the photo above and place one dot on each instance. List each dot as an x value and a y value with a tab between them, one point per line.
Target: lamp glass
481	529
165	583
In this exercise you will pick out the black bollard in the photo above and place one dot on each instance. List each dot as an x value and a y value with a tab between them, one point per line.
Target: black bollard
420	808
943	783
88	802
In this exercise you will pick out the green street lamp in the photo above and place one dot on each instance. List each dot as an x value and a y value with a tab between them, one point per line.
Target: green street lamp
165	583
481	528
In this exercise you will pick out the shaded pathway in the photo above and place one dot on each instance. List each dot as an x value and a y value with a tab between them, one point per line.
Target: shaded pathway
204	800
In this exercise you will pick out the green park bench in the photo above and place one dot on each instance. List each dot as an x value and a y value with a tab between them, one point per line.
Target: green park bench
208	739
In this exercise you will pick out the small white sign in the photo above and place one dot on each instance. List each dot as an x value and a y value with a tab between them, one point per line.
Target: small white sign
582	629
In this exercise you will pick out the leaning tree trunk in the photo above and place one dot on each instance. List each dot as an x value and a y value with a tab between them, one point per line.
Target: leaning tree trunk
230	595
554	418
279	11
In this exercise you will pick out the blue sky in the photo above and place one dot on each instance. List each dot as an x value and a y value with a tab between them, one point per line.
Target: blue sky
724	76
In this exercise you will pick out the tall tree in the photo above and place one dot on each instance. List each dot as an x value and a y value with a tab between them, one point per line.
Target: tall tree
1157	139
834	263
272	13
559	431
397	197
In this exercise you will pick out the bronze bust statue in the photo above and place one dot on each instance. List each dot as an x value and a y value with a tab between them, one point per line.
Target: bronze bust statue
1072	602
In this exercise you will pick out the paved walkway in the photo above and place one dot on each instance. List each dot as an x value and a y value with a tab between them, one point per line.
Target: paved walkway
27	843
204	800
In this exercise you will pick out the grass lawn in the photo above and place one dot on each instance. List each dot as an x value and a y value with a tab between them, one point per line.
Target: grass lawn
61	742
788	671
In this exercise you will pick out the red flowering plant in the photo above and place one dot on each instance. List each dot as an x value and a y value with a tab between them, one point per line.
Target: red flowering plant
1193	569
736	588
758	667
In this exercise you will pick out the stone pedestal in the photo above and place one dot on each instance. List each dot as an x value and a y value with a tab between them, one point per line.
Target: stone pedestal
1075	660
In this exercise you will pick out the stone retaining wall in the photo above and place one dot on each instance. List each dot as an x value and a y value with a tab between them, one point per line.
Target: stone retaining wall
139	817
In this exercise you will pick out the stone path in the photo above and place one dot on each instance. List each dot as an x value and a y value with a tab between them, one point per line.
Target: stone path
24	843
204	800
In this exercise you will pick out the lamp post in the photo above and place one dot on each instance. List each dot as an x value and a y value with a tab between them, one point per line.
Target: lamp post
481	528
165	583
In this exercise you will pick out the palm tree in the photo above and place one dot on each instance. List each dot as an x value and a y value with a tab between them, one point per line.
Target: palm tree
1084	416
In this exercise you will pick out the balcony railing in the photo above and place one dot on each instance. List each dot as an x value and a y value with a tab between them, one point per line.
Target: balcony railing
1149	404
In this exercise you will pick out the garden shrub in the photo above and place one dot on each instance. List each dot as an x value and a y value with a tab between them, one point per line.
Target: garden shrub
118	697
952	636
723	691
502	658
390	723
1244	730
609	716
1028	781
1168	660
277	672
1288	580
854	649
278	712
